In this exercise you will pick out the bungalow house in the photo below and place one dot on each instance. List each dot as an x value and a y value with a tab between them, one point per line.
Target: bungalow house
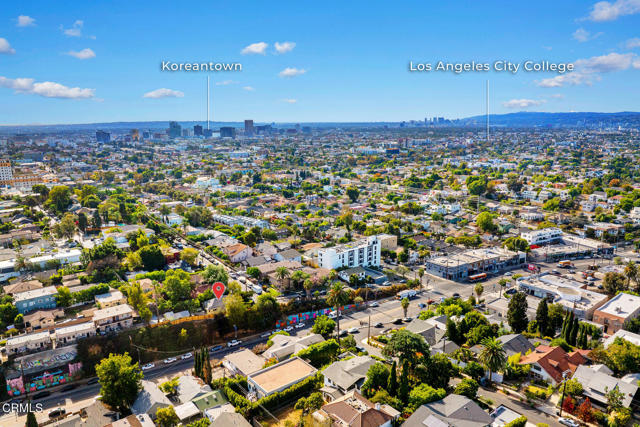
42	318
113	318
454	411
243	362
110	299
279	377
149	400
353	409
553	363
284	346
345	375
596	384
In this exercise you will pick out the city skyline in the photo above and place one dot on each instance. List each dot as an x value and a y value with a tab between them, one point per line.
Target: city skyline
347	63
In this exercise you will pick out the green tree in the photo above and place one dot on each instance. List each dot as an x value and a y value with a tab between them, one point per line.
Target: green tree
66	228
467	387
542	318
392	384
517	244
178	285
377	378
167	417
282	273
215	273
323	326
403	386
423	394
152	257
235	310
406	345
492	356
631	271
120	380
614	282
517	312
59	198
485	222
353	193
64	298
189	255
31	420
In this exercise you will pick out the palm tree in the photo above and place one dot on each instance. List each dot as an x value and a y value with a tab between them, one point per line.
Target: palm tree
479	289
165	211
492	356
281	274
337	297
405	305
631	271
308	285
503	284
421	274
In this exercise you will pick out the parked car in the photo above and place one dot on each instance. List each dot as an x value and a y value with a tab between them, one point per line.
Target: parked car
353	330
568	422
374	304
511	291
186	356
407	319
148	366
289	328
169	360
216	348
378	325
70	387
397	321
265	335
57	412
299	325
343	332
361	349
93	380
456	295
234	343
41	394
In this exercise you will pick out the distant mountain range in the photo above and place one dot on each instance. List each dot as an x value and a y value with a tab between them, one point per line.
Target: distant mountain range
533	119
519	120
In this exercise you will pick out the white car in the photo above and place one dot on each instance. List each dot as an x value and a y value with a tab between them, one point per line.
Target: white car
374	304
568	422
299	325
148	366
234	343
288	328
186	356
169	360
266	335
353	330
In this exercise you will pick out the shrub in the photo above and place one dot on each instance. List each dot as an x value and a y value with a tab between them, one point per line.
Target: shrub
521	421
467	387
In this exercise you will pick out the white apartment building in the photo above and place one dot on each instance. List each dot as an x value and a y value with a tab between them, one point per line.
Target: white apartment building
113	318
70	334
362	253
6	172
541	237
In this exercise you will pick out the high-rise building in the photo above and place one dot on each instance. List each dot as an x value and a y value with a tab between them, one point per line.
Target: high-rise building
175	130
6	173
227	132
208	133
102	136
362	253
197	130
248	127
135	135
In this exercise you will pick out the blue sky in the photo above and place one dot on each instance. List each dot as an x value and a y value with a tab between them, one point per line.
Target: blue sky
93	61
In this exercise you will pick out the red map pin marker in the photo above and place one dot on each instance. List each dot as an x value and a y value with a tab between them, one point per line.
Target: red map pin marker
218	289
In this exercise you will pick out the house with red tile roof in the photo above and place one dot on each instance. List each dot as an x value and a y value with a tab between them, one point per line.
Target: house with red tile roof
552	363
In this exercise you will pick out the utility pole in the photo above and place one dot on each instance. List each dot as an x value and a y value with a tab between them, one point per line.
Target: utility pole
564	378
369	329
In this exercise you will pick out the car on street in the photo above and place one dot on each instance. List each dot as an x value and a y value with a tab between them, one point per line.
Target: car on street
511	291
343	332
353	330
568	422
378	325
169	360
69	387
407	319
93	380
374	304
186	356
265	335
41	394
397	321
216	348
422	305
289	328
148	366
299	325
456	295
234	343
57	412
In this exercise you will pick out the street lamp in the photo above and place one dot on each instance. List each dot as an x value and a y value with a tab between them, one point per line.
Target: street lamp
564	378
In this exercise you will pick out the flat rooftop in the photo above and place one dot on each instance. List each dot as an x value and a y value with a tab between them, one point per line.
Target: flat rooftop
282	374
622	305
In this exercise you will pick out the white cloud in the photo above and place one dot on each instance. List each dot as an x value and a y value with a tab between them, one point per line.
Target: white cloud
557	96
82	54
163	93
571	79
633	43
249	88
522	103
605	63
75	30
290	100
225	83
46	89
5	47
583	35
610	11
588	70
284	47
636	64
25	21
292	72
259	48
